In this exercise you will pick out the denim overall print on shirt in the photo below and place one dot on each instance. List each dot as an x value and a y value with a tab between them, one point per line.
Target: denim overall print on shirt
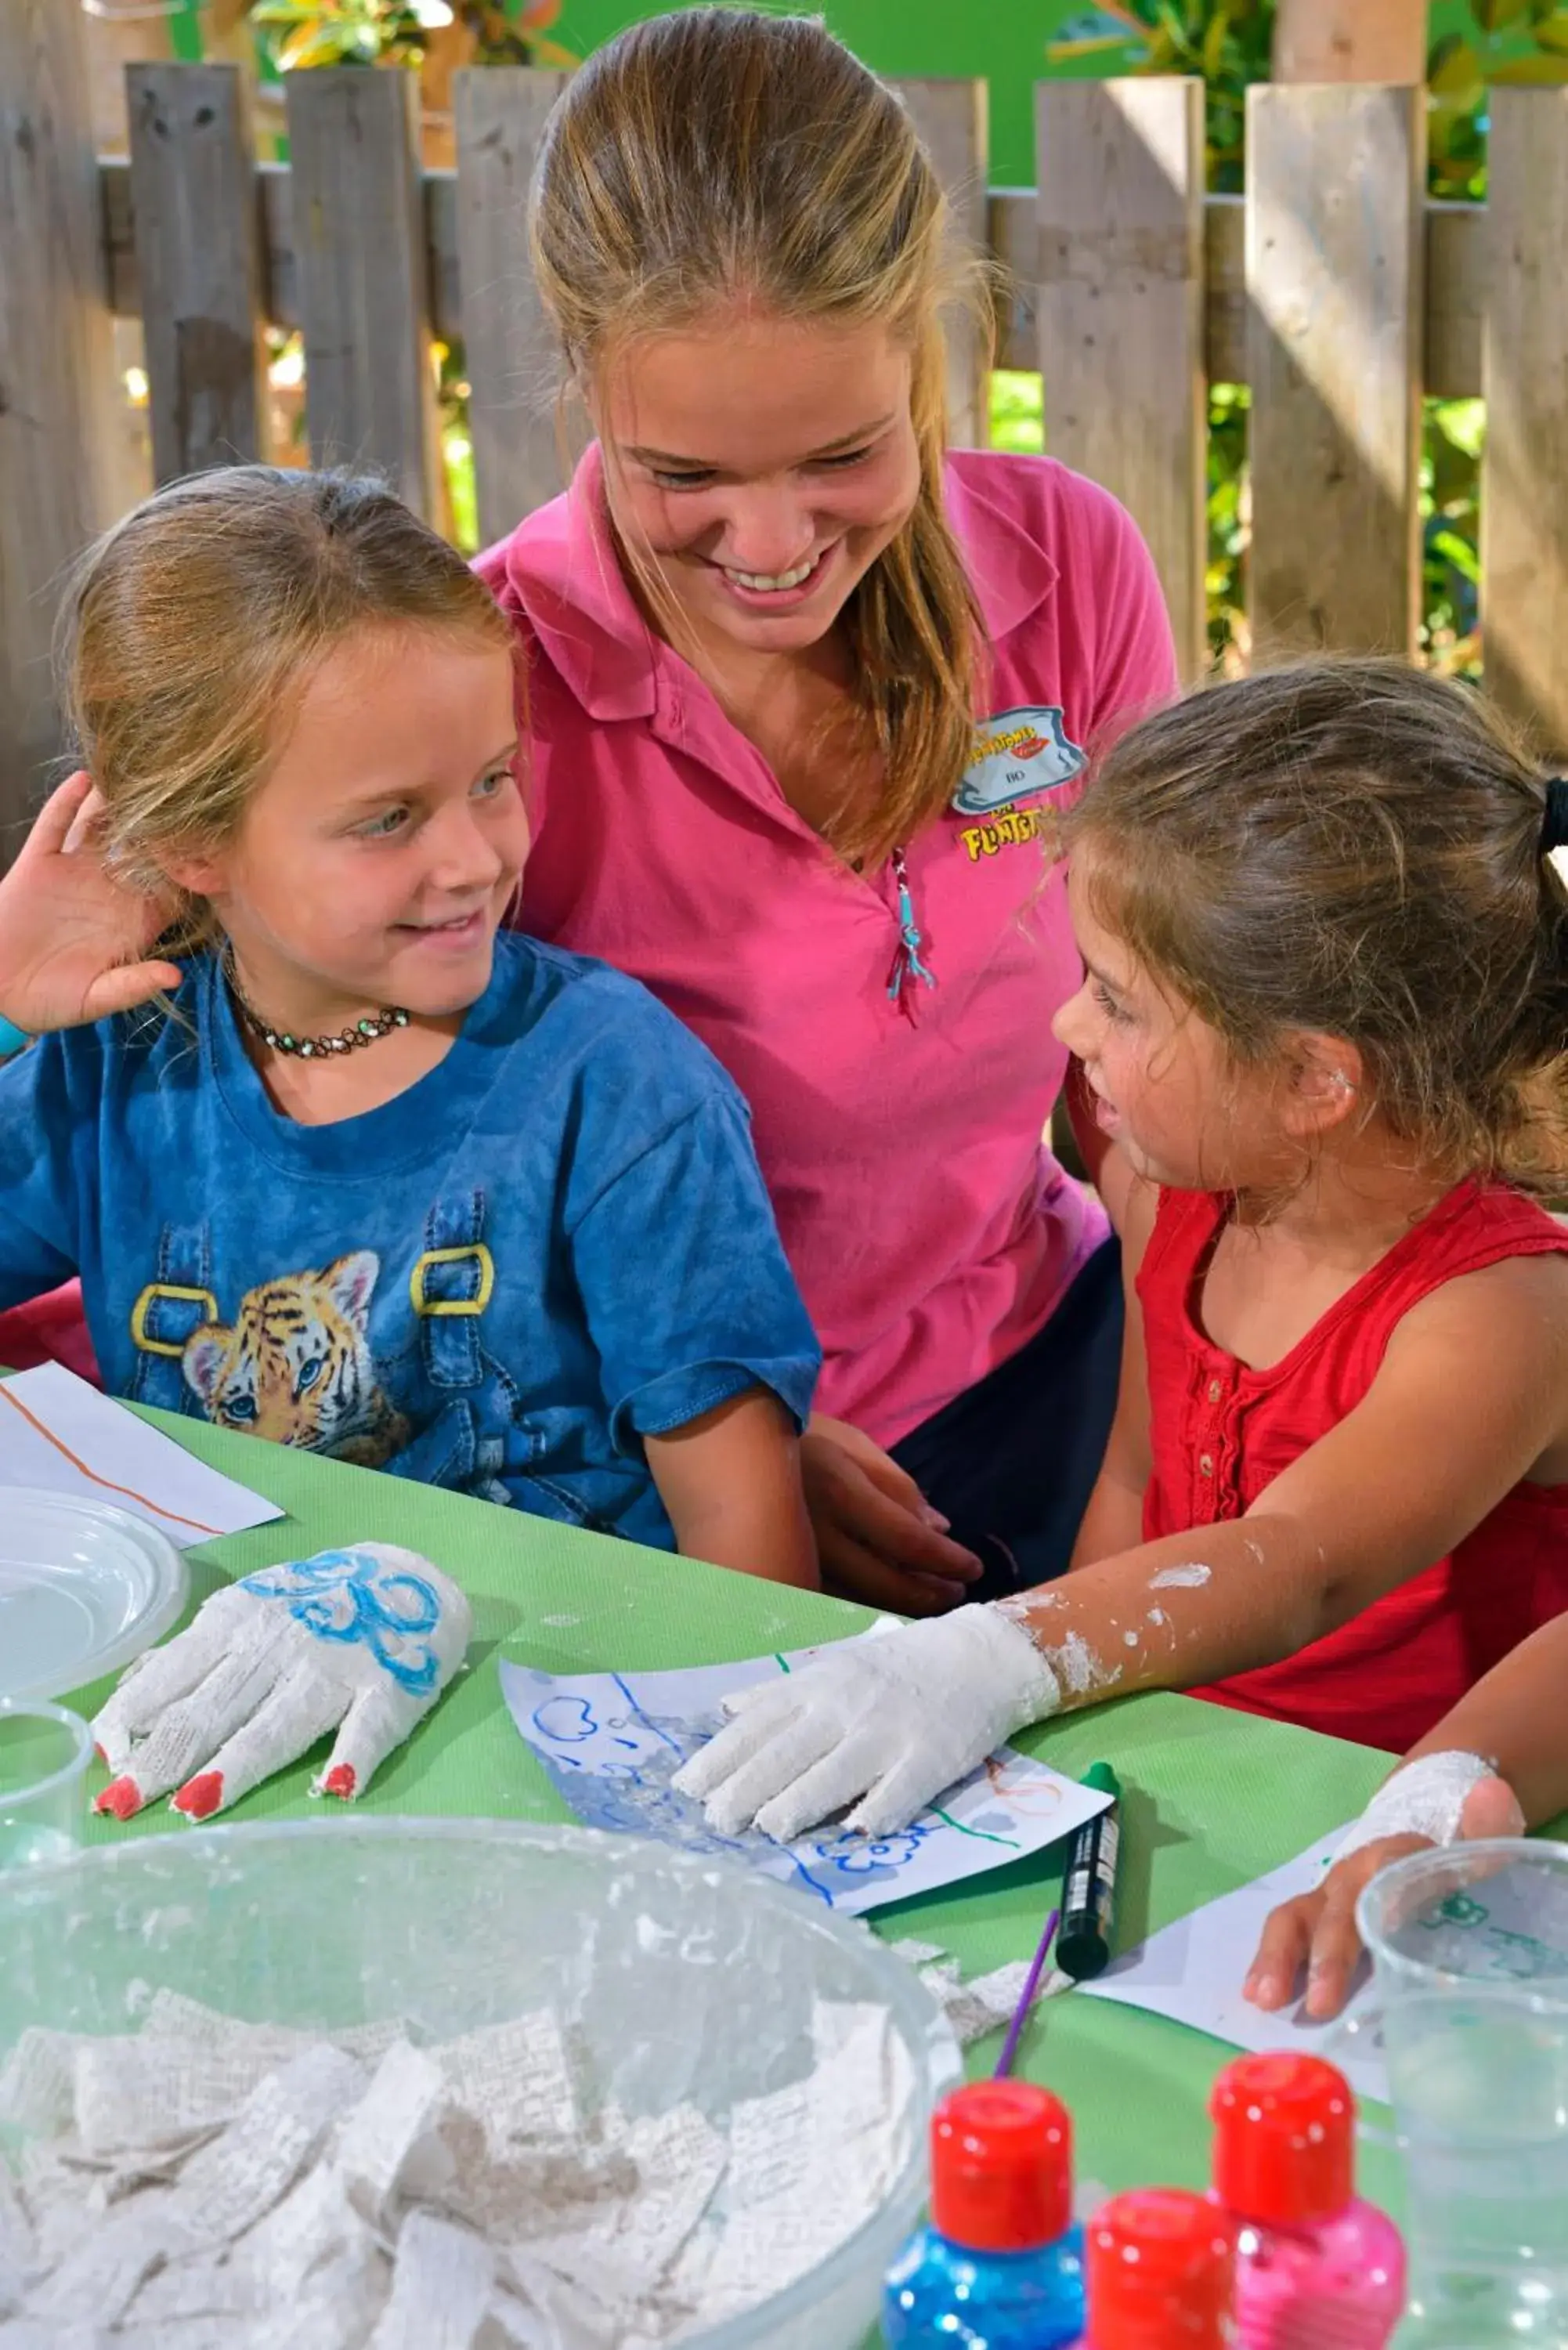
554	1244
296	1364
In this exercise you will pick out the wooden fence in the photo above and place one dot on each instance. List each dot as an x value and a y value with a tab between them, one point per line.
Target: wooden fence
1333	288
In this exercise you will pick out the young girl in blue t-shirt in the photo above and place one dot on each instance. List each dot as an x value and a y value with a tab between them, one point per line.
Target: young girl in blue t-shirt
381	1180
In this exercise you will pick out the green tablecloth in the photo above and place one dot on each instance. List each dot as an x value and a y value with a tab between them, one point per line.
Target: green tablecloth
1212	1798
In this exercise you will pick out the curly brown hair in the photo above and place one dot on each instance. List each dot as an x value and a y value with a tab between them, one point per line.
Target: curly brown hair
1356	849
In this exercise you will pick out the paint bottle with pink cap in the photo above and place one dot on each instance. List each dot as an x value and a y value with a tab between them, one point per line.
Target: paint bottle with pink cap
1317	2268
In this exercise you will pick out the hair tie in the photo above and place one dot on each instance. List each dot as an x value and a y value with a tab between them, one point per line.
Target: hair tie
1554	830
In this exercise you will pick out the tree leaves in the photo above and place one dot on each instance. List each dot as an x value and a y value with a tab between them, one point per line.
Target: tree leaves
301	34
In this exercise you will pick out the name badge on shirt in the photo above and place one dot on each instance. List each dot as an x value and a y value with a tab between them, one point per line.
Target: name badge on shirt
1017	753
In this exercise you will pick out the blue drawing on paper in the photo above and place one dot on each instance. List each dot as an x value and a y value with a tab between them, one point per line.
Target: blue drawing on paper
350	1595
611	1744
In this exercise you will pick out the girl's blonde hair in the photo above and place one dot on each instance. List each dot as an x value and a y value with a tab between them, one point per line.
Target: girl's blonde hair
192	627
1354	848
719	155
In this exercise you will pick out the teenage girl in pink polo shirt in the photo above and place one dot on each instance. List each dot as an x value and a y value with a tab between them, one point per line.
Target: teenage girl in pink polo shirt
808	691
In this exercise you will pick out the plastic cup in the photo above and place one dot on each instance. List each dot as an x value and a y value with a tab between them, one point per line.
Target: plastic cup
44	1756
1470	1946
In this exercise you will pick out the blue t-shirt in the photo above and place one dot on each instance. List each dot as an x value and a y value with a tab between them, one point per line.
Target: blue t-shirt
556	1243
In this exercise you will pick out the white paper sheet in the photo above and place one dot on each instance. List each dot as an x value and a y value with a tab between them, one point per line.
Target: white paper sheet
1193	1972
58	1435
612	1742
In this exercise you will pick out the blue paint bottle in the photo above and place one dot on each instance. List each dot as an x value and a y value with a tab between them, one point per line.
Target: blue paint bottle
1001	2266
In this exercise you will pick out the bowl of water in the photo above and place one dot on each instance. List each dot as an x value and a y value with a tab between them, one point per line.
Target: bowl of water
678	1981
1470	1947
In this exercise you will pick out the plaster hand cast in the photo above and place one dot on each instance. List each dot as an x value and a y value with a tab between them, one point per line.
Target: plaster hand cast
1423	1799
361	1641
883	1723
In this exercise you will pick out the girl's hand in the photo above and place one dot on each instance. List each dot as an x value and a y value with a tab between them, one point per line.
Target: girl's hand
72	937
1319	1928
884	1722
878	1539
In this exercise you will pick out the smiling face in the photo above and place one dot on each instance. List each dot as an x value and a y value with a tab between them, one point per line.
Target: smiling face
376	861
1166	1086
760	466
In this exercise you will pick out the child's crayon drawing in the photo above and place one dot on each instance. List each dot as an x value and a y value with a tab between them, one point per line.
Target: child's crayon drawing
612	1742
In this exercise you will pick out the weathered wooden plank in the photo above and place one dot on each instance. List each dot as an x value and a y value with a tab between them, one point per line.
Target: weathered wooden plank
360	256
1350	41
192	178
1524	467
57	423
111	42
950	116
513	363
1120	312
1333	280
1455	294
1455	284
1013	235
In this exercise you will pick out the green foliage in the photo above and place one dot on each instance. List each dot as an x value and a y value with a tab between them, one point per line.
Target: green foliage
1227	43
1462	65
1453	433
299	34
1230	508
305	32
1017	411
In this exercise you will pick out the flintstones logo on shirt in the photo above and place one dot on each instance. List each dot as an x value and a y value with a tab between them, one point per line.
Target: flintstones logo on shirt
1017	754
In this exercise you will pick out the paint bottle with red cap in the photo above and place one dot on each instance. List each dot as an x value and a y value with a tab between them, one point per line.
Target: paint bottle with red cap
1001	2262
1161	2265
1317	2269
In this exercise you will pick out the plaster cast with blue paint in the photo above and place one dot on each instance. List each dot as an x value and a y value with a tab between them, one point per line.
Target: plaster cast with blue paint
360	1641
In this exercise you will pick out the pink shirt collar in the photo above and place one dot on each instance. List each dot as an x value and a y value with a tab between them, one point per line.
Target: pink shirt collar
562	563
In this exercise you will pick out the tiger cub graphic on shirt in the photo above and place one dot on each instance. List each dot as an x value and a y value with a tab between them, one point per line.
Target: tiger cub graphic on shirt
295	1365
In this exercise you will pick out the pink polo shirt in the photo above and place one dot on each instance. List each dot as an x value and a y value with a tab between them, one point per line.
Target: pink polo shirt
931	1231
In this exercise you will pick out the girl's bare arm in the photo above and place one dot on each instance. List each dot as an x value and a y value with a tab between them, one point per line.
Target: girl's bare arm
1472	1397
731	1482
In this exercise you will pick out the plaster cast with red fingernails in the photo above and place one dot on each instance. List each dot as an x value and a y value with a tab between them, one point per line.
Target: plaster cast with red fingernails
361	1641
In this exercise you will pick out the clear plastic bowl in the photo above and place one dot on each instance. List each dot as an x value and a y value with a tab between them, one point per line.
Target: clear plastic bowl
688	1977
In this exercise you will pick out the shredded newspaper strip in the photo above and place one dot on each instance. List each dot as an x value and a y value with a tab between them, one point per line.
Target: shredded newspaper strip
181	2186
985	2004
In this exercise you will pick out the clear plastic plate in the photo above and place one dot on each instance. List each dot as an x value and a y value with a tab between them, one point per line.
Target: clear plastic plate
83	1589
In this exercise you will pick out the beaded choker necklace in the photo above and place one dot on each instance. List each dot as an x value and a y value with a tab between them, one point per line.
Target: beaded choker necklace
320	1048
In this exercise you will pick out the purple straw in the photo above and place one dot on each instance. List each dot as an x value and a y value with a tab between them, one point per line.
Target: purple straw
1020	2013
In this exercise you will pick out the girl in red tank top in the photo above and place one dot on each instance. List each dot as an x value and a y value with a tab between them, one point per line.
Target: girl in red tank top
1325	1017
1325	1014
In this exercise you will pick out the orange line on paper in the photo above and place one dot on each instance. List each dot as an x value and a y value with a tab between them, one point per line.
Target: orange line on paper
109	1484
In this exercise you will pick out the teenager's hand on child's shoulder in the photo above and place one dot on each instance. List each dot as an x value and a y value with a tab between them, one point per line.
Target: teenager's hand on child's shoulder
879	1538
1318	1930
73	936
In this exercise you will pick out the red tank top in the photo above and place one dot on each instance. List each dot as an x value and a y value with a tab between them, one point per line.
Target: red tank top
1220	1433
